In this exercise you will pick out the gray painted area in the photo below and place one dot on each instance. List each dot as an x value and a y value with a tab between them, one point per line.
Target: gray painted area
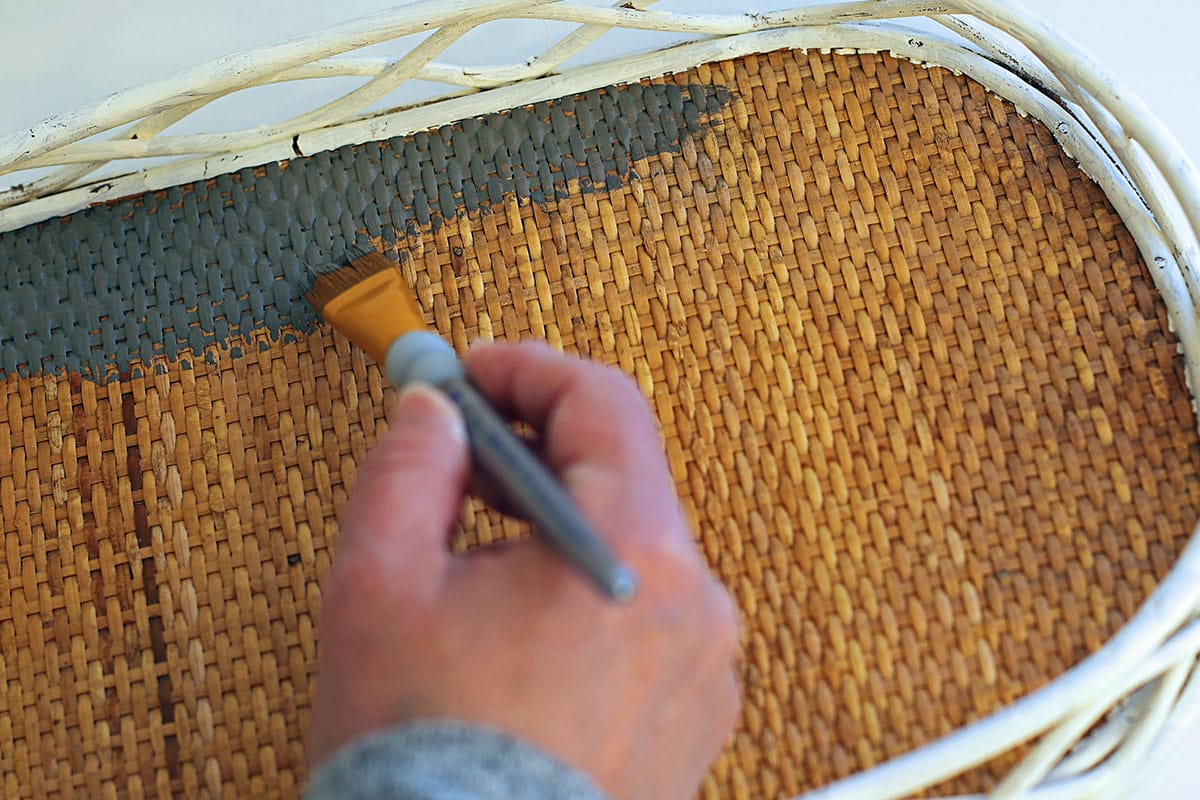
103	291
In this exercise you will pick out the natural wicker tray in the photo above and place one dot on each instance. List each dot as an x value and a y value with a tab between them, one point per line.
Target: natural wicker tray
919	390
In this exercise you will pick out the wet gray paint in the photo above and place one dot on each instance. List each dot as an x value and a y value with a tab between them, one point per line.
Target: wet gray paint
103	291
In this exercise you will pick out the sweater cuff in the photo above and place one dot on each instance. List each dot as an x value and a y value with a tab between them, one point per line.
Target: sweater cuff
446	760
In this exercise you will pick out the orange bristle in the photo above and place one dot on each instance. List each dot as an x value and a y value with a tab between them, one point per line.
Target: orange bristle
367	301
328	285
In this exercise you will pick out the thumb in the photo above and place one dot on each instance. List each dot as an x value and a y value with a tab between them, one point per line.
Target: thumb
408	491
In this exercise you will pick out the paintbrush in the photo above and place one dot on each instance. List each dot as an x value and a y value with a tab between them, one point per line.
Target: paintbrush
370	303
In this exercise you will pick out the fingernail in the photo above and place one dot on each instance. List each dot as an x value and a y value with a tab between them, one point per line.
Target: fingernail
422	407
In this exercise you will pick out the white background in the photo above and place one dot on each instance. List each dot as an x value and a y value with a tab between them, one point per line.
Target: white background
57	55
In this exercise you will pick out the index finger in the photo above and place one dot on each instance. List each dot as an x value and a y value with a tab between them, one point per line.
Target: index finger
598	433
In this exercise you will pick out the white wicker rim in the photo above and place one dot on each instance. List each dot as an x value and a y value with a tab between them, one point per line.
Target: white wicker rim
1096	725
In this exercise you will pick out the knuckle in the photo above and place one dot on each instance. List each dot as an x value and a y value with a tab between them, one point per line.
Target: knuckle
621	387
672	553
674	566
684	585
723	620
616	379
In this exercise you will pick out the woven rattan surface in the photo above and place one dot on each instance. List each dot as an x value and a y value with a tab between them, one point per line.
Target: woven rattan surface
916	385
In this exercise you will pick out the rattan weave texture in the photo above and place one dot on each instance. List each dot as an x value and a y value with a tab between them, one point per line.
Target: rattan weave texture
916	385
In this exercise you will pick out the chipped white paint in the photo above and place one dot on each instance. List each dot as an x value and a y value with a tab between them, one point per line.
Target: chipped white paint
1143	684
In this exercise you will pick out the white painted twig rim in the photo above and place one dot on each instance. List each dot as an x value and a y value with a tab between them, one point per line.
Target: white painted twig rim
1144	682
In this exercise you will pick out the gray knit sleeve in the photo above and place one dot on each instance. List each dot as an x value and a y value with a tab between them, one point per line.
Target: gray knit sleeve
446	760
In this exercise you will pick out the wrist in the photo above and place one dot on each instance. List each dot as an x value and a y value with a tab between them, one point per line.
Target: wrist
433	759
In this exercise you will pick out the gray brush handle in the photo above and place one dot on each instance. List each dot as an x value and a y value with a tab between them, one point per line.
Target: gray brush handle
504	458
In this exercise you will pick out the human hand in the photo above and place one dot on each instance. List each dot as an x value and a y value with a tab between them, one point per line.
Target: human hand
639	696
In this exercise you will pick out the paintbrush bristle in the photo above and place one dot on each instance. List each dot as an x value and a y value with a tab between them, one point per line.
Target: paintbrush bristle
333	280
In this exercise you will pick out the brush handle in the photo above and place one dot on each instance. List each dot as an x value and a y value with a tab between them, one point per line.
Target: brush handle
508	462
